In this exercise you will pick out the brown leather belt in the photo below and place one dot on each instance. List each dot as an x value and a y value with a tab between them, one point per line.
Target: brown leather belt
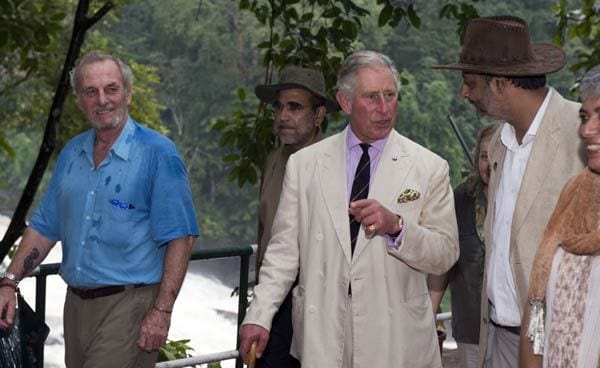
101	291
512	329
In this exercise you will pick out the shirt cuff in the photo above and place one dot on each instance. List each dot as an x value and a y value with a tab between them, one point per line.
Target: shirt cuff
394	244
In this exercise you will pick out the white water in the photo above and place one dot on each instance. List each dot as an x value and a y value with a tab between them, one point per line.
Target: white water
195	315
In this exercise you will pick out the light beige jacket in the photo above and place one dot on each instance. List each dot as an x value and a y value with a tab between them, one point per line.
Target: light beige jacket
556	156
392	318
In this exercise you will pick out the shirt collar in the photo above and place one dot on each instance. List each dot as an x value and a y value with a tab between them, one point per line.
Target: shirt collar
122	145
353	141
508	135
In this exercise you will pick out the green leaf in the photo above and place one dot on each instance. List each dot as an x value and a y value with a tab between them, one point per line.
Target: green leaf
413	17
232	157
385	15
287	43
349	29
57	17
241	94
331	12
170	355
291	13
4	37
244	4
264	45
7	147
445	11
307	17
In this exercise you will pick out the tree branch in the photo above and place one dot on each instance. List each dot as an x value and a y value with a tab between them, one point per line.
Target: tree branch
17	82
81	24
98	15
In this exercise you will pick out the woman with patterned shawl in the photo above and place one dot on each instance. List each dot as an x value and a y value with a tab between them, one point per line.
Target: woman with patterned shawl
563	316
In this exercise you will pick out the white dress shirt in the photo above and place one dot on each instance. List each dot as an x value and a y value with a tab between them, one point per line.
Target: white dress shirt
501	288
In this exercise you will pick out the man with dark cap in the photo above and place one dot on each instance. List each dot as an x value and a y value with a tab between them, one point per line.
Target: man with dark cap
532	157
300	103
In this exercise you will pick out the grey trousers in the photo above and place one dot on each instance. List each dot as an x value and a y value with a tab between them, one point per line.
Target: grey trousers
347	359
502	348
468	354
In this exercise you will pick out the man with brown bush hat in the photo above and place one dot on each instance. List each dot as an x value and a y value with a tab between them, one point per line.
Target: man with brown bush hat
532	157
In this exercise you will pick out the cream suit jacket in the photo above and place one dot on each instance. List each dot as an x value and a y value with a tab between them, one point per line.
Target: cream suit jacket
556	156
392	319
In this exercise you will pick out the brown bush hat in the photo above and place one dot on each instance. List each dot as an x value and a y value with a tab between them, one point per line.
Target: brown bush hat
297	77
501	46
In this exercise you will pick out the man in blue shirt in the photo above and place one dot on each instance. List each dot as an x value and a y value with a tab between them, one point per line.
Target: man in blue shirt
120	203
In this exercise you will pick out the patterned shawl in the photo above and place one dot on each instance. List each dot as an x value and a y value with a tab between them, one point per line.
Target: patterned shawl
574	226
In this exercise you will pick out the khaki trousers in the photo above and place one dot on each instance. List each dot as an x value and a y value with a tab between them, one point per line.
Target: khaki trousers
103	332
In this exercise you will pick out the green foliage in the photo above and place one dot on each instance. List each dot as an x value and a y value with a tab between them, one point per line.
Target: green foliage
179	349
310	33
196	65
579	27
29	74
6	147
422	117
462	12
15	171
205	58
174	349
28	29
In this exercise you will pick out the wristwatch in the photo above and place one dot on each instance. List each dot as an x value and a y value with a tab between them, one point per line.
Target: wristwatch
399	226
10	276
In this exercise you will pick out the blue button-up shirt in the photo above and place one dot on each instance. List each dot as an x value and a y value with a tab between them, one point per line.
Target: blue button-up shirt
115	220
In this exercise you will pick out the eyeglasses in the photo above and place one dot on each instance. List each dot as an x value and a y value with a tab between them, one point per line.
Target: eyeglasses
292	107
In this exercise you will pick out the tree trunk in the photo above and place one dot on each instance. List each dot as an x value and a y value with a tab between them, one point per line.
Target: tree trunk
80	26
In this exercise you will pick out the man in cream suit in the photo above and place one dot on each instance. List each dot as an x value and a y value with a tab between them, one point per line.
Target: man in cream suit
532	157
359	303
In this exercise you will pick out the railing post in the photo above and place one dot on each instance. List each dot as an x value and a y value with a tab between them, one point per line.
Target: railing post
40	310
242	301
244	252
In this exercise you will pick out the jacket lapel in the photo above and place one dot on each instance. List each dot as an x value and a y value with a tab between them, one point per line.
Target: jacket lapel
393	168
543	154
497	151
332	176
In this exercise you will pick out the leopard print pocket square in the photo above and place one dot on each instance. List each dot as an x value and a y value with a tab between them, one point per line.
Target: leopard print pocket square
408	195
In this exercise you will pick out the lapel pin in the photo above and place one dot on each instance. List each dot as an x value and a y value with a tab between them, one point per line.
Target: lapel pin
395	158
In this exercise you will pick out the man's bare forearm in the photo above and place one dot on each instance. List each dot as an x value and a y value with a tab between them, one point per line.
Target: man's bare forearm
32	250
176	262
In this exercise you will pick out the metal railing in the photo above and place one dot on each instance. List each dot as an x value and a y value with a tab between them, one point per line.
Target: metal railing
244	252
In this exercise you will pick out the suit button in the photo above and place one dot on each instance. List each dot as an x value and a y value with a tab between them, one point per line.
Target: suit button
319	236
312	309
